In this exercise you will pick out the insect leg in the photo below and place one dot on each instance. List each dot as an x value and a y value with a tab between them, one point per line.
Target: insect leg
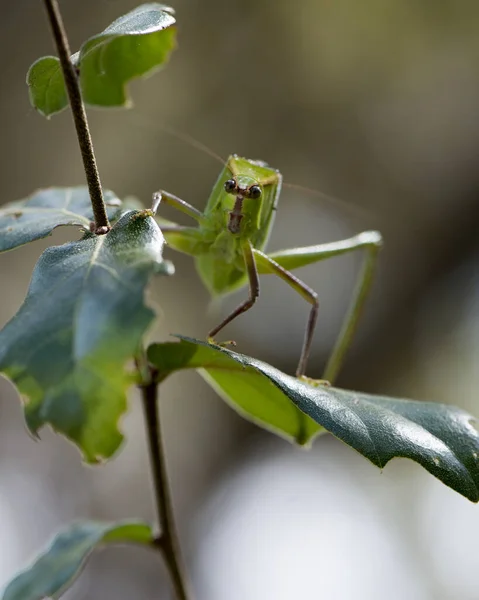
307	293
253	277
351	320
177	203
371	242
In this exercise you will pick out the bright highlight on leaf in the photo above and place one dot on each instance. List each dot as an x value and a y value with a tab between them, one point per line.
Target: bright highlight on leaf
84	317
60	564
37	216
137	44
439	437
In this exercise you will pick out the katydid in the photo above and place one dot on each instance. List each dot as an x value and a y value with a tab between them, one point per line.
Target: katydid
231	235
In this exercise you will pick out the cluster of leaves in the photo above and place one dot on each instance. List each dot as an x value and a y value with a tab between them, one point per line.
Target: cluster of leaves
68	348
84	317
138	43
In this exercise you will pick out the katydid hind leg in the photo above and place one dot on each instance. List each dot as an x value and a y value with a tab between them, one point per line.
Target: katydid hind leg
354	312
308	294
370	242
253	278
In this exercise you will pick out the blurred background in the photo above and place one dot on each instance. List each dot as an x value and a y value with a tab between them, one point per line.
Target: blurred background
374	102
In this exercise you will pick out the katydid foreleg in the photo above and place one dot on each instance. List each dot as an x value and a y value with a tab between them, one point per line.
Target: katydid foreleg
253	278
176	203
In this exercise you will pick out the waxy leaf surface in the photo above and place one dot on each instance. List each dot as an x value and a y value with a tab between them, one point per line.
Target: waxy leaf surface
134	45
243	387
83	318
439	437
56	568
37	216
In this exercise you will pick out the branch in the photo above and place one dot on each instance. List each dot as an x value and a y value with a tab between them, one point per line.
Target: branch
102	224
167	542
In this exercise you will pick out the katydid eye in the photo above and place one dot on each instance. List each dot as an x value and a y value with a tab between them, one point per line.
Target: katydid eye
254	192
230	185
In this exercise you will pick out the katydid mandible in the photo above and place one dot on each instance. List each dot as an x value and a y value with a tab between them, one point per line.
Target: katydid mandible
229	242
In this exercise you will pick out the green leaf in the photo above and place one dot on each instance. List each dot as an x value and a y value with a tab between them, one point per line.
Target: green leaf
83	318
46	86
37	216
439	437
60	564
137	44
243	387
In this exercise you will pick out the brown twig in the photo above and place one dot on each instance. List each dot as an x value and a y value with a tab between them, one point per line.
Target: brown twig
102	224
167	541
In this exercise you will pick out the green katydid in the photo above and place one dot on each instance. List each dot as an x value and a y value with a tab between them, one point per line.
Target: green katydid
229	242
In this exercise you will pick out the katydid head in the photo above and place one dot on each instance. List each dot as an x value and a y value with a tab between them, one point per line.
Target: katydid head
247	187
242	187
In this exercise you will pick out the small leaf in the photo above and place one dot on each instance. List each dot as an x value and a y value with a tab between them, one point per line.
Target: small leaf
244	388
83	318
60	564
439	437
134	45
46	86
37	216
